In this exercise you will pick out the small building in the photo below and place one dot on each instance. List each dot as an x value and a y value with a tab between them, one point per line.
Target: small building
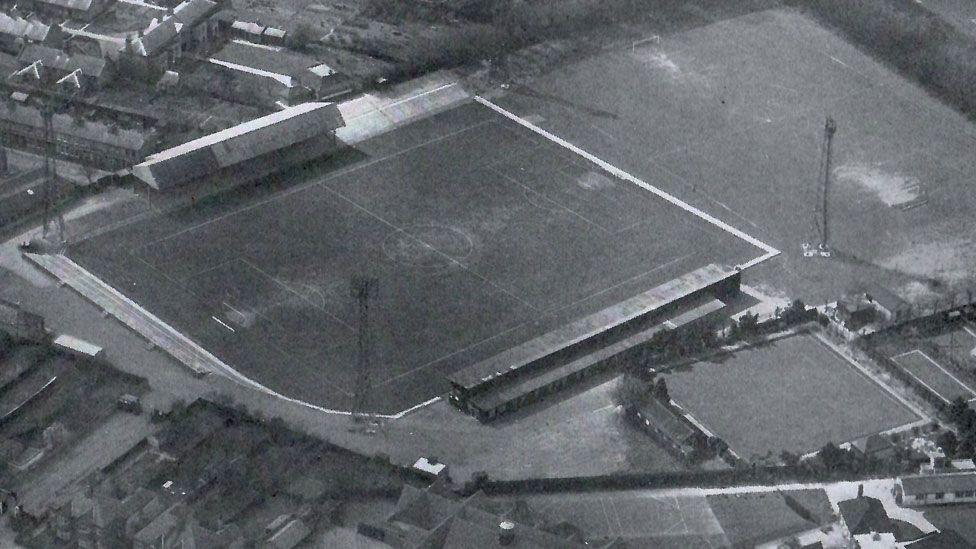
888	304
271	76
247	151
61	10
874	447
856	311
864	515
431	468
678	436
16	32
78	348
936	489
20	323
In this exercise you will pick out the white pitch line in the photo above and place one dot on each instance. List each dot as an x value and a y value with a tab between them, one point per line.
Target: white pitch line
219	366
944	371
838	61
610	168
222	323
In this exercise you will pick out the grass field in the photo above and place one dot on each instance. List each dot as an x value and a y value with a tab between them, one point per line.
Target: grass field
480	233
792	394
730	115
959	343
933	375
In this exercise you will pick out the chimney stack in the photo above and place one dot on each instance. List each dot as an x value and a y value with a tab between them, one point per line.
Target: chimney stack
506	533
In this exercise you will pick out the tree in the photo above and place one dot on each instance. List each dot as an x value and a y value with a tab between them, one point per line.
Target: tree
948	442
661	390
834	458
630	392
789	458
301	37
956	411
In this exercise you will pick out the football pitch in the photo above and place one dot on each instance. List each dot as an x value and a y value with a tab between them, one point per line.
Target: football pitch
792	394
480	232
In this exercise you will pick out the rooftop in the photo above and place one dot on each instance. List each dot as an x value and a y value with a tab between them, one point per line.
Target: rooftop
662	417
945	482
62	61
84	5
18	26
586	327
269	58
238	144
65	124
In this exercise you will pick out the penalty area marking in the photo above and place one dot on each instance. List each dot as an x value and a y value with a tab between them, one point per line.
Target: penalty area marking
613	170
224	324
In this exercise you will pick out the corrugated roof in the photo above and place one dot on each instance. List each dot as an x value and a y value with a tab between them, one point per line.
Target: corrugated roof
282	79
237	144
265	58
77	345
930	484
586	327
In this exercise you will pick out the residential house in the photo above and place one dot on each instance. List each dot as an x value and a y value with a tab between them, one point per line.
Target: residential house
865	515
91	143
16	32
429	519
874	447
936	489
20	323
163	530
247	151
888	304
856	311
90	520
50	69
163	43
61	10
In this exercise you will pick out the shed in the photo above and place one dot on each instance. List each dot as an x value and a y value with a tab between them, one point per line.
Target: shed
78	347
